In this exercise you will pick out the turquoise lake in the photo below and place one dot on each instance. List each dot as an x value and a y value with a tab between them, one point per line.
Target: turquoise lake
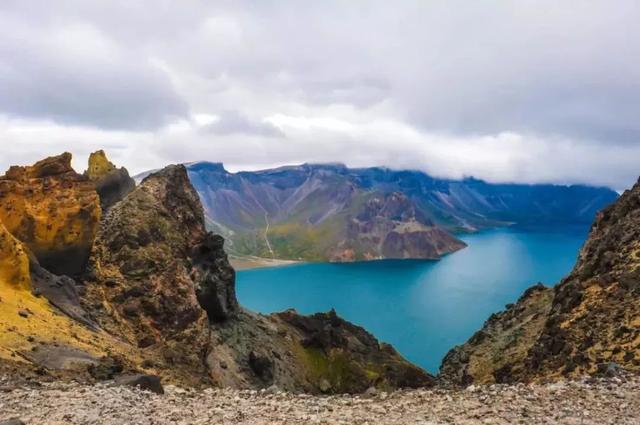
423	308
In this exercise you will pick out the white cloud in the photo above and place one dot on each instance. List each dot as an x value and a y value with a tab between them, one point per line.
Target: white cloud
529	91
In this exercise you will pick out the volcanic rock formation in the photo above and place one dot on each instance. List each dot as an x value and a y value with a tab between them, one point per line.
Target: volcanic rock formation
112	184
42	325
590	320
52	210
141	282
157	278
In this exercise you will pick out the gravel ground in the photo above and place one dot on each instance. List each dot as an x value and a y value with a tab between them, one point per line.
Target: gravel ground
610	401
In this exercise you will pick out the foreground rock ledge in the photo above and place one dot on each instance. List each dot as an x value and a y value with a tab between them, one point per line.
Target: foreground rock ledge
611	401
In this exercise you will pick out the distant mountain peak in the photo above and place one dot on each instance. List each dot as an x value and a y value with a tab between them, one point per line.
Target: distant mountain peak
206	165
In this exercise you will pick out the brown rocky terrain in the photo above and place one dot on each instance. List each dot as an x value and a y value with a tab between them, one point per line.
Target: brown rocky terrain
159	279
588	323
158	296
316	213
139	282
390	226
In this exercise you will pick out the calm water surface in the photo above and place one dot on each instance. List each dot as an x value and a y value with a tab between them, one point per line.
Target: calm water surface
423	308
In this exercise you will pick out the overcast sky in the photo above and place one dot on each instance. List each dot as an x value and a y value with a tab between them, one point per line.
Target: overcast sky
523	91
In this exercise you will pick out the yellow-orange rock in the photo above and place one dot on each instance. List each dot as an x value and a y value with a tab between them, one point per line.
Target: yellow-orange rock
111	183
99	166
53	210
33	332
14	262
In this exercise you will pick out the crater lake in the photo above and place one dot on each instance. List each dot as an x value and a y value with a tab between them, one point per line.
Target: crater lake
423	308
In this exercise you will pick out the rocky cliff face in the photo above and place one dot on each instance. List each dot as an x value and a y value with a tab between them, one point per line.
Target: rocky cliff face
319	354
158	279
149	263
52	210
589	320
390	226
112	183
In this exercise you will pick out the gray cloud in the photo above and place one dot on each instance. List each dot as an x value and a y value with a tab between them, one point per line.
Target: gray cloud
73	73
451	78
234	122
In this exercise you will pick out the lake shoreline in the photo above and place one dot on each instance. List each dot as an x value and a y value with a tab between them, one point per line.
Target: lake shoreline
240	263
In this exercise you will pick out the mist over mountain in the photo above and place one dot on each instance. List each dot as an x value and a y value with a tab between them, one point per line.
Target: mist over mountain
329	211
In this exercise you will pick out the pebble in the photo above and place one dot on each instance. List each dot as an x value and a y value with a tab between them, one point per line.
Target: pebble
600	402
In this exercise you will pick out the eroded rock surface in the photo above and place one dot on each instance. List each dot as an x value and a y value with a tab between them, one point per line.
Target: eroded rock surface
52	210
14	262
390	226
112	183
498	351
321	353
141	282
43	329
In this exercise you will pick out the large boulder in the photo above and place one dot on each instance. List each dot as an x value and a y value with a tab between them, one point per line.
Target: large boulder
144	382
52	210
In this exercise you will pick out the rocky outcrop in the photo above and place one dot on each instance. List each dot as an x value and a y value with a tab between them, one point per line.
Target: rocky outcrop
43	329
158	295
146	269
214	278
52	210
353	358
498	351
390	226
589	320
160	280
112	183
595	316
321	353
14	262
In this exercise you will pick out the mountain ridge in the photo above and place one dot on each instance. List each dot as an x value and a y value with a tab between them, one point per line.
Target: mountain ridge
315	204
